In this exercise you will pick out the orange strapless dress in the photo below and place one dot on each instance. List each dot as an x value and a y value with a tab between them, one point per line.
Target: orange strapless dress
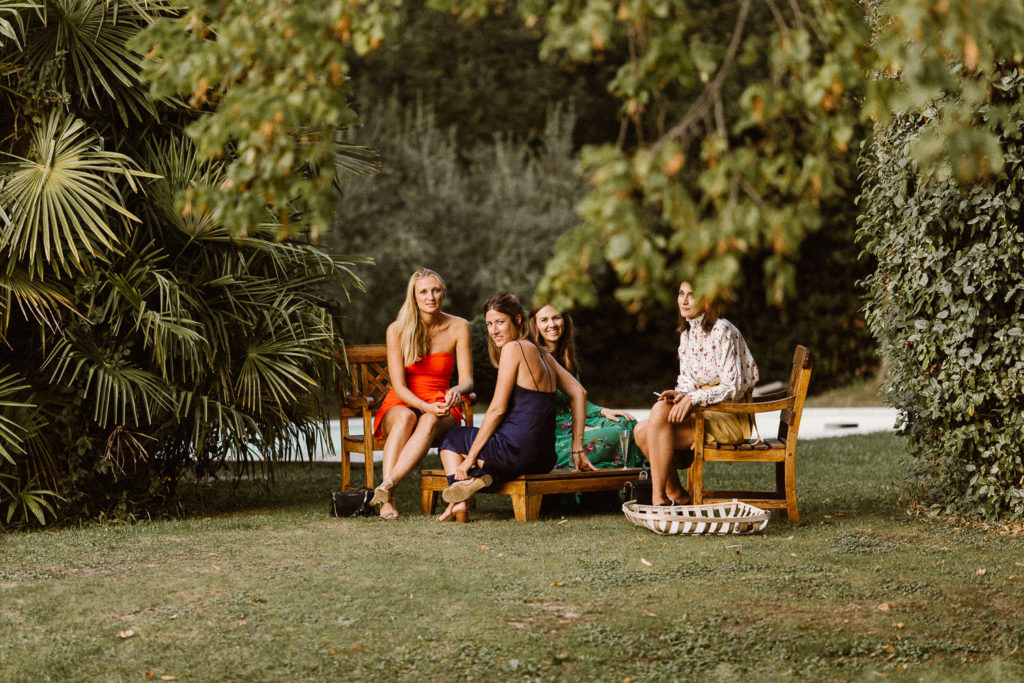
429	378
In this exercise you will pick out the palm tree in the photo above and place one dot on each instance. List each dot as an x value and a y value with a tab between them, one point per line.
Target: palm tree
146	342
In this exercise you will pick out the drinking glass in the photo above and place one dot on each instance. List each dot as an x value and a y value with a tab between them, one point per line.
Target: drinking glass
625	436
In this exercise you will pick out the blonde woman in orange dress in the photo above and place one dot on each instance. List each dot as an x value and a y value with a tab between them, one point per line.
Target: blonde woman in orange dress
424	345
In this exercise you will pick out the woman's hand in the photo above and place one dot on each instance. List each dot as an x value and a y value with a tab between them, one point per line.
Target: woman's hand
580	461
438	409
614	415
680	408
452	398
462	471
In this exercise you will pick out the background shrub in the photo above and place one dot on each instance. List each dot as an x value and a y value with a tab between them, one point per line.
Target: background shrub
945	306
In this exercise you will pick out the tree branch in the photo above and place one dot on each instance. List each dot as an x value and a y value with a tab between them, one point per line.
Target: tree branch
706	99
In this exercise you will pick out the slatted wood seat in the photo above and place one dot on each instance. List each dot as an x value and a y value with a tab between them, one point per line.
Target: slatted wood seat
528	491
780	450
363	381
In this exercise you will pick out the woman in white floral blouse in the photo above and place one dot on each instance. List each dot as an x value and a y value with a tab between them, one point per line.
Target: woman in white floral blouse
715	365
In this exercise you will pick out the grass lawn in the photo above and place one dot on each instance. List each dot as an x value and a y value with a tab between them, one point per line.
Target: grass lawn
276	590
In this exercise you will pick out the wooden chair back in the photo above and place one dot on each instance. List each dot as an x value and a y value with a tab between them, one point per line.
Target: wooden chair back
781	450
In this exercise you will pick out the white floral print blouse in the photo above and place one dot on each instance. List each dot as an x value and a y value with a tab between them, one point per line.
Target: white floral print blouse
720	358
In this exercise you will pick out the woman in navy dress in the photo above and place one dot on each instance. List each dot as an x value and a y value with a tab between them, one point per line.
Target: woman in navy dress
517	435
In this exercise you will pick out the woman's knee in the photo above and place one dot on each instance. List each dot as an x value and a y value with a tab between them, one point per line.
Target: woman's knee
659	413
400	421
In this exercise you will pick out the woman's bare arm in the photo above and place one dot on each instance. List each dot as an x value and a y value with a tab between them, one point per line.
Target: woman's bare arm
464	362
578	405
508	369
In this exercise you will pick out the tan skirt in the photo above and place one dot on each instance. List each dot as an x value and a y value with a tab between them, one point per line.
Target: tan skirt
726	427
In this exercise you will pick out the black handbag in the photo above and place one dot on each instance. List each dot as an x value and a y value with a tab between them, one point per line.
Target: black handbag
354	503
638	489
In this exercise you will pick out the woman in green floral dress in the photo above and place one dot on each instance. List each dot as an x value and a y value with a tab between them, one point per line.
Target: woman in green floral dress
552	330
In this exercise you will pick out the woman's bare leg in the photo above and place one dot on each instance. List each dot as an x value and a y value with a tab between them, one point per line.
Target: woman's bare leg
450	460
399	425
659	439
428	427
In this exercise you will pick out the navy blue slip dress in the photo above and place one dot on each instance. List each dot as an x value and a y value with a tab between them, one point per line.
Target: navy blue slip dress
524	442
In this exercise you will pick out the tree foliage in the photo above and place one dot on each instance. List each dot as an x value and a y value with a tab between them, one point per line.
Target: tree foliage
145	337
946	303
742	118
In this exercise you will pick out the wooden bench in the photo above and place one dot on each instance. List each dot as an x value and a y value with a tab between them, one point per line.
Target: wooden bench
363	381
780	450
528	491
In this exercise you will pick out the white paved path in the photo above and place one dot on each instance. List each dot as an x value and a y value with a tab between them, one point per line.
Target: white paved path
817	423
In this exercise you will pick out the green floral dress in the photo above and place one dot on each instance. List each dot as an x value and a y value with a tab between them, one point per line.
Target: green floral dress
600	440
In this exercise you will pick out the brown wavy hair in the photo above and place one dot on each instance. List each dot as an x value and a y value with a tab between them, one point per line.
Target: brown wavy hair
565	347
508	304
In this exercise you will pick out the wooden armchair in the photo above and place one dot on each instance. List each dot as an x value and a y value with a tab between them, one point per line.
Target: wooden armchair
780	450
363	381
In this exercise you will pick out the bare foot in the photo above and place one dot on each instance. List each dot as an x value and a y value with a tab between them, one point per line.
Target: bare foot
388	510
455	512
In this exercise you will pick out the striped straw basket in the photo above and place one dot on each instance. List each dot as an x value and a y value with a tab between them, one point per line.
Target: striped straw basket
733	517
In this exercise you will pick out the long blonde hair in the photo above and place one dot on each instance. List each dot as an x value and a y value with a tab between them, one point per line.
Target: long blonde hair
411	331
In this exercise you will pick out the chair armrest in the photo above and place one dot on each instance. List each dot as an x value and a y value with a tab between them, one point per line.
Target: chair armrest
358	402
469	399
747	408
774	396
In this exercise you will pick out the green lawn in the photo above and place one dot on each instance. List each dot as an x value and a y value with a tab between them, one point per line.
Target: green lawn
277	590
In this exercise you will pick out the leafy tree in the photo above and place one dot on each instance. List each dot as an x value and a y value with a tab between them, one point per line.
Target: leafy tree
145	337
742	114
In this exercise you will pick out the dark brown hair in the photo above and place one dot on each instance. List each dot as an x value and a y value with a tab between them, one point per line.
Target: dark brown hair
508	304
712	311
565	347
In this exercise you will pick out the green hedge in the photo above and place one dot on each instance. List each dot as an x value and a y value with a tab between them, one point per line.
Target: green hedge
945	306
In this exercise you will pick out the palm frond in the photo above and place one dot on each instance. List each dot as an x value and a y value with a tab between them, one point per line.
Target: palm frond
63	199
12	25
93	36
12	433
120	393
41	301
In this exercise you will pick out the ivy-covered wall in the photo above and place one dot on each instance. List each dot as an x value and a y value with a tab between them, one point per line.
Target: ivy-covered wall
945	305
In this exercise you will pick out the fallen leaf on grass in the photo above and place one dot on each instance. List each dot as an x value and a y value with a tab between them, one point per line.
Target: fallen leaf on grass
649	613
563	520
980	571
485	547
212	555
645	563
900	624
168	677
556	583
884	607
123	635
